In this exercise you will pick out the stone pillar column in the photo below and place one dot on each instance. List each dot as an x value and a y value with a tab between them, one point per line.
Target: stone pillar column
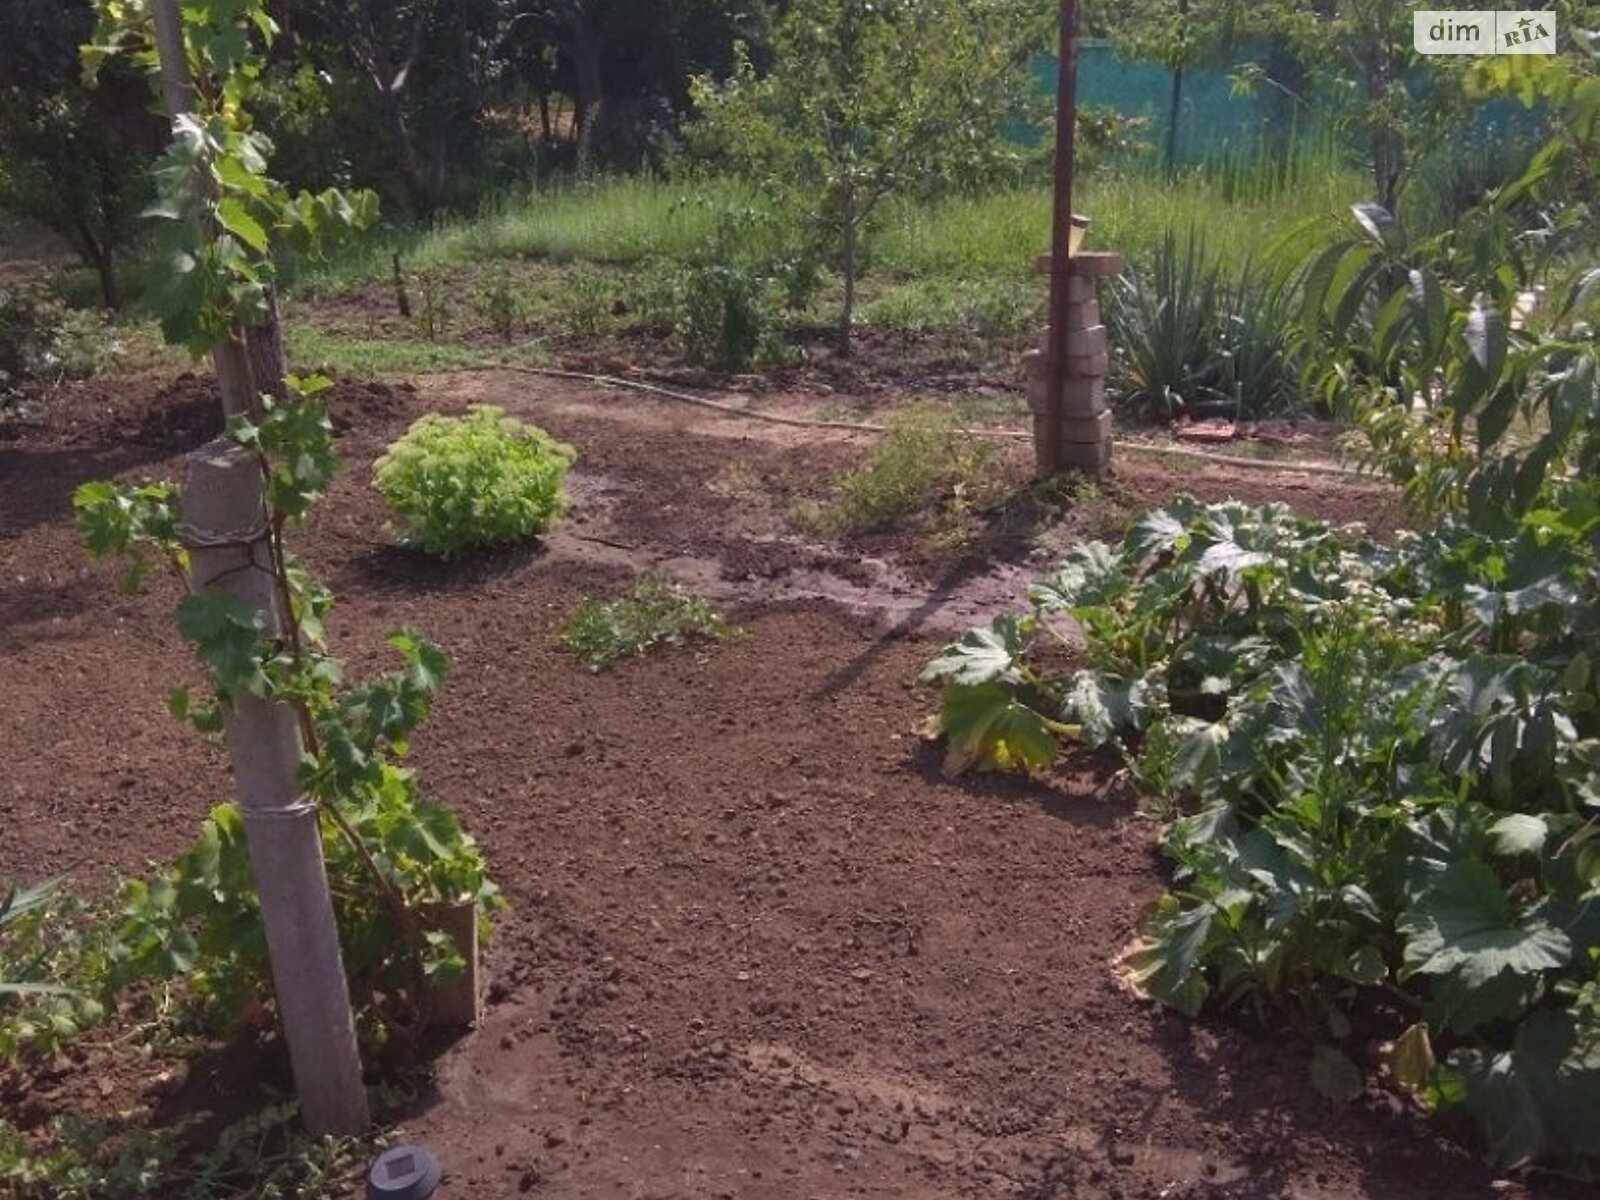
1084	425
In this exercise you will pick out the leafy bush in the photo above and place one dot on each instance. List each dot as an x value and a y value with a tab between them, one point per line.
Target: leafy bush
54	964
588	302
651	613
926	463
435	313
728	300
474	482
1386	758
726	316
40	338
497	302
1388	766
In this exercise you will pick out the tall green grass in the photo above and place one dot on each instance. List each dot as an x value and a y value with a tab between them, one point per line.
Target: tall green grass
616	221
1001	233
626	221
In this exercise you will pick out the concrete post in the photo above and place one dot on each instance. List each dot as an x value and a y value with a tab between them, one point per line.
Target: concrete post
1072	430
224	527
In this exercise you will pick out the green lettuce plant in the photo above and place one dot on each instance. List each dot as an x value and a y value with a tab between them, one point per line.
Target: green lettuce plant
479	481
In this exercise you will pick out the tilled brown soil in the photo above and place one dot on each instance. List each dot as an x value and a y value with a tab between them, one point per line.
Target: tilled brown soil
758	947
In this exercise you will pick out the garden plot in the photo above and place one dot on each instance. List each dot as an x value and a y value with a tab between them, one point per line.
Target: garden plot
758	945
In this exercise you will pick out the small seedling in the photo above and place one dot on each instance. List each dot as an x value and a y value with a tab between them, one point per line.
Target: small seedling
433	320
652	612
497	303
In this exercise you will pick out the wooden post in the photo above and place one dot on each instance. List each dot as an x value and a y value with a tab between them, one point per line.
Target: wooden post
224	526
1049	452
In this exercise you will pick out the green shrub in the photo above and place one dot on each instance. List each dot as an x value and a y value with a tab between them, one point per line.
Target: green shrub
474	482
925	463
54	959
41	338
651	613
497	302
435	312
726	317
1387	761
729	300
588	302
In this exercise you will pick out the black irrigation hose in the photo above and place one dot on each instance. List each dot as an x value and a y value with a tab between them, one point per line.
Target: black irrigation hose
733	410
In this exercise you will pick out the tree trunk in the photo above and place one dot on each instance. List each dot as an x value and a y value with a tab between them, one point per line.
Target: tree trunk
400	133
110	290
847	315
1174	108
438	155
1385	174
103	259
1380	70
583	47
264	347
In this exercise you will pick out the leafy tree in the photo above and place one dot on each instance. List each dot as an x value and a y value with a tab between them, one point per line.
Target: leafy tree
425	64
72	158
433	73
867	99
1178	34
627	63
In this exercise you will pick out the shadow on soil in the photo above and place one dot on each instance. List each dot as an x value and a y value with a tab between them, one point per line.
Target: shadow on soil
37	483
387	566
32	612
1101	801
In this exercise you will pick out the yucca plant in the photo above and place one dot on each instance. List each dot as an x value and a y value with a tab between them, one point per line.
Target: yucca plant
1260	358
1164	325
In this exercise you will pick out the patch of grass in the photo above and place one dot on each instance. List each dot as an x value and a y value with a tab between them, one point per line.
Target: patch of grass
651	613
966	238
1003	410
1000	233
615	221
309	347
990	307
925	464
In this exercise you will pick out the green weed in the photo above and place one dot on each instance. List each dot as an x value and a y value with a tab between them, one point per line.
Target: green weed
925	463
651	613
498	302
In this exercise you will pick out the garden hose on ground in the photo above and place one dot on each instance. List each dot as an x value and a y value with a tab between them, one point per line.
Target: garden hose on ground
733	410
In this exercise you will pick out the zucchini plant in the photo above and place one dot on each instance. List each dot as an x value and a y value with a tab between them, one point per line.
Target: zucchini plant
1382	761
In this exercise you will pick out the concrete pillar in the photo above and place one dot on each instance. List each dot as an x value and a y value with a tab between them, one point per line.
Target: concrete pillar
1084	422
224	527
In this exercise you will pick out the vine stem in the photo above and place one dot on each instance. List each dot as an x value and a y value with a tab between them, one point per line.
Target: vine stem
396	902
